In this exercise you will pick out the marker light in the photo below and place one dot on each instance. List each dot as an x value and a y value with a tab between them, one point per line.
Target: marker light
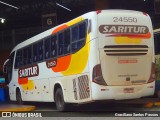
2	20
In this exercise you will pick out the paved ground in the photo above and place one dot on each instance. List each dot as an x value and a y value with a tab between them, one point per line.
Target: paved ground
99	110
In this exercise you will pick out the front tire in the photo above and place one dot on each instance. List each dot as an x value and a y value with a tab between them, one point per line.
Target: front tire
19	97
59	99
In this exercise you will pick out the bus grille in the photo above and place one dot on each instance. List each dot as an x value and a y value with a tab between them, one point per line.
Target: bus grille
81	87
125	50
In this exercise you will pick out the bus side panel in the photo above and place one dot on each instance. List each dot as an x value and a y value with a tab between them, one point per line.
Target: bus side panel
74	84
78	88
94	60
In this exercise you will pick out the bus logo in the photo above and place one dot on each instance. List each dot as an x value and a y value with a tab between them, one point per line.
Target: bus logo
29	71
123	29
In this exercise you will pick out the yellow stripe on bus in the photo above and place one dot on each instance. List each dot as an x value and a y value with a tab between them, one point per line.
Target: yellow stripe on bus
29	85
79	60
74	21
126	40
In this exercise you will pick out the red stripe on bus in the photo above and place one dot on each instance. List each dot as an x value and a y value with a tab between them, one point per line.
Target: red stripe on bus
22	81
59	28
148	35
62	64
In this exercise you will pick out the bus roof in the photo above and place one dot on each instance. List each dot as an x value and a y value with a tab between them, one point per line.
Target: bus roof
34	38
48	32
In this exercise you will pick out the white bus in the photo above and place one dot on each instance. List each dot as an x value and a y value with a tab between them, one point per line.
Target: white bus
101	55
157	61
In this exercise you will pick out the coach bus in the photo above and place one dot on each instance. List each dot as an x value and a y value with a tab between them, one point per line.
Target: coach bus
101	55
157	61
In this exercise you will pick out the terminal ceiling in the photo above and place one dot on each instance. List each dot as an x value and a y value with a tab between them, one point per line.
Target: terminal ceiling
30	11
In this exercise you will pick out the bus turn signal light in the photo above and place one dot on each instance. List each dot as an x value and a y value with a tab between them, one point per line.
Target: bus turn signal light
98	11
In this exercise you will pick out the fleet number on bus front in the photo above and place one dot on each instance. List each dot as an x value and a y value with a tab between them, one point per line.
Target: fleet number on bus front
124	19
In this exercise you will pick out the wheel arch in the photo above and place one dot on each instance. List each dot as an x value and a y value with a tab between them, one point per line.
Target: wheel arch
18	89
56	86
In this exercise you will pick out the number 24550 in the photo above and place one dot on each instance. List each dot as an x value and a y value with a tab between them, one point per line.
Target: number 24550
124	19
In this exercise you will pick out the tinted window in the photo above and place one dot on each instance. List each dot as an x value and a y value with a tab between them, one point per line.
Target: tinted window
77	45
67	41
40	50
82	30
47	48
25	56
54	46
35	53
78	36
19	60
11	58
75	36
60	44
30	54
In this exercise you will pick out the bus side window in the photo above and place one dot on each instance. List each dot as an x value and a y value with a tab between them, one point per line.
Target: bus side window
35	53
78	36
75	34
60	44
75	38
29	54
82	30
25	56
19	60
67	41
47	48
40	50
54	46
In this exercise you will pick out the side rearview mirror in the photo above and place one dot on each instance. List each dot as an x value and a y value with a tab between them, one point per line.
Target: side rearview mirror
5	66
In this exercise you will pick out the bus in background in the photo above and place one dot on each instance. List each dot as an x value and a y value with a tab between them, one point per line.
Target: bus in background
157	61
101	55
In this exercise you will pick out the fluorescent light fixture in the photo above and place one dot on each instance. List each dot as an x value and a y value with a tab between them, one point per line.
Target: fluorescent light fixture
63	7
2	20
9	5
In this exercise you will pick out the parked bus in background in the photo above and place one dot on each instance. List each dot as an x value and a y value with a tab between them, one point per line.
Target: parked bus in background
157	61
101	55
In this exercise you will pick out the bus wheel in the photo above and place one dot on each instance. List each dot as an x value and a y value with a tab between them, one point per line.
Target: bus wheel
19	97
59	99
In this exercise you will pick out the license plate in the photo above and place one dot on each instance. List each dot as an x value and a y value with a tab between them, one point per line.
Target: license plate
128	90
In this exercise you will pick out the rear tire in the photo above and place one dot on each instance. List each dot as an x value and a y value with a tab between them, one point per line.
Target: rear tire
59	99
19	97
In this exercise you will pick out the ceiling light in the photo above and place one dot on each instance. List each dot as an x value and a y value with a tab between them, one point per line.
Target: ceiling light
63	6
2	20
9	5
